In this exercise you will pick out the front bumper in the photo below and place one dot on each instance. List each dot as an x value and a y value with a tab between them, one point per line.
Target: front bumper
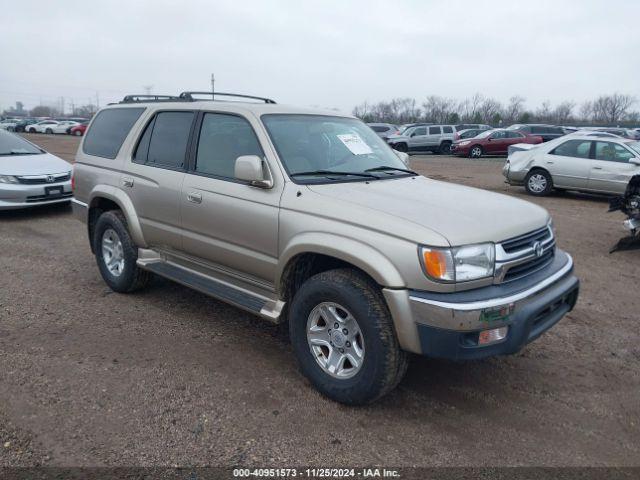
447	325
16	195
513	177
460	150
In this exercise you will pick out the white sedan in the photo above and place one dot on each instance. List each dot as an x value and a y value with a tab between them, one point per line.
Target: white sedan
63	126
8	124
45	126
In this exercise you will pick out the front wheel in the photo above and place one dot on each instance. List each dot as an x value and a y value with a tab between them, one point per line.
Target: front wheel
48	131
445	148
475	151
77	133
342	335
538	183
116	254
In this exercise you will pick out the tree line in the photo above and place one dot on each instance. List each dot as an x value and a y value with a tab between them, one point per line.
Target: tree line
611	110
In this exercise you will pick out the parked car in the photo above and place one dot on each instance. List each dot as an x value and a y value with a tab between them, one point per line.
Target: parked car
29	176
23	124
44	126
8	124
384	129
64	126
575	162
309	217
546	132
620	132
431	138
78	130
475	126
403	127
468	133
491	142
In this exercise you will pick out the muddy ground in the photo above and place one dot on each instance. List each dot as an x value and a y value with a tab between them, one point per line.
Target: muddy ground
168	376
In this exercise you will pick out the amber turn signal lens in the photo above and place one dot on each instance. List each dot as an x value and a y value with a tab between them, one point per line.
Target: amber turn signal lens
435	262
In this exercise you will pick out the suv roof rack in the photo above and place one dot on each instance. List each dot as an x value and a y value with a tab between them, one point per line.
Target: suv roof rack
188	96
149	98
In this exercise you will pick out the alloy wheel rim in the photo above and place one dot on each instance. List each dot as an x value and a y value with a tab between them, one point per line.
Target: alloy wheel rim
335	340
112	252
537	183
476	152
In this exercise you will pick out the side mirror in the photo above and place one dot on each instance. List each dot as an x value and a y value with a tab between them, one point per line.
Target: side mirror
251	168
404	157
635	160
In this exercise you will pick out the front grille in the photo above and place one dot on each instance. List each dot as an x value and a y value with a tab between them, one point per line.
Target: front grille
530	266
526	241
44	198
43	179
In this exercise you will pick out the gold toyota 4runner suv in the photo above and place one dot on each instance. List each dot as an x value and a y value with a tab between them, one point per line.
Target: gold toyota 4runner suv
308	217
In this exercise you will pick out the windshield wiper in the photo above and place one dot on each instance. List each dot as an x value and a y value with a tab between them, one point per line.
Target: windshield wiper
17	153
385	168
332	172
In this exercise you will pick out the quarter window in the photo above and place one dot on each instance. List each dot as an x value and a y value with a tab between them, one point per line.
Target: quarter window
164	141
108	131
573	148
447	129
224	138
612	152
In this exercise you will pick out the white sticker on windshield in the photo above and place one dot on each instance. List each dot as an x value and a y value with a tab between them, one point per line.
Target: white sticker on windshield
354	143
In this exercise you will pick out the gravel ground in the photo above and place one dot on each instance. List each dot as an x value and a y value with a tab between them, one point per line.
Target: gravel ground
168	376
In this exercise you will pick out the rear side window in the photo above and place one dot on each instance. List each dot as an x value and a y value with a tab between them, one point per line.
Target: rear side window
164	141
108	131
224	138
447	129
434	130
573	148
514	135
378	128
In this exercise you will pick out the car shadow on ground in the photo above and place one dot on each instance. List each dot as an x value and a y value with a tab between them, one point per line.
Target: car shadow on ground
39	212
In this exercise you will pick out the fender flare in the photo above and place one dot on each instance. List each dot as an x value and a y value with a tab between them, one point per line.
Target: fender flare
124	202
349	250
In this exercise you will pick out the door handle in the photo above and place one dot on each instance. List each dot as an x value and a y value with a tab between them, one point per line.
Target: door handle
194	197
127	182
597	168
550	163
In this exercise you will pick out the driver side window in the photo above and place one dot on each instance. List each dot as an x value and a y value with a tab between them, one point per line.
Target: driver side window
419	131
612	152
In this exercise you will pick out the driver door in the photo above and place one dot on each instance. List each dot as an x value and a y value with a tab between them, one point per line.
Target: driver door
610	168
417	139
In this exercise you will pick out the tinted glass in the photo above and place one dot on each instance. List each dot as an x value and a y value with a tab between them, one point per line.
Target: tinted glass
447	129
168	145
573	148
14	145
499	134
612	152
514	135
142	150
377	128
108	131
537	130
420	131
434	130
224	138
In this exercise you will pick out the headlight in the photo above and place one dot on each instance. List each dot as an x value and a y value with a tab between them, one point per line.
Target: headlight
459	264
8	179
466	142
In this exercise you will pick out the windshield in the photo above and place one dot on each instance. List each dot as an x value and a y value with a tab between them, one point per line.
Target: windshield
315	143
485	134
635	146
14	145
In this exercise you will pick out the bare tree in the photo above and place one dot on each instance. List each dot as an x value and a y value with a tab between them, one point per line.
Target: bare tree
489	111
611	109
563	112
439	109
514	109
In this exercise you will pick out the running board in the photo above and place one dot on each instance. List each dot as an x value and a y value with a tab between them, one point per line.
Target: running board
268	309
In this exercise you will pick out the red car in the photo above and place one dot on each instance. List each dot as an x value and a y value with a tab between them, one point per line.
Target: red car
78	130
491	142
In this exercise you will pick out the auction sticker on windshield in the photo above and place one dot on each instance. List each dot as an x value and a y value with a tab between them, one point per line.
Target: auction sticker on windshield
354	143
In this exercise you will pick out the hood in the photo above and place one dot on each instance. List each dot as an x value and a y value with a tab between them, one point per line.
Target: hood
32	164
462	215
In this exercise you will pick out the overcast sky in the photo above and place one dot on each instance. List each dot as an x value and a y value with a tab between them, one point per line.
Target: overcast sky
332	54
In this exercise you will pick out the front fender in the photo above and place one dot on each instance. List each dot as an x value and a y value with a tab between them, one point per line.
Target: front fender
355	252
124	202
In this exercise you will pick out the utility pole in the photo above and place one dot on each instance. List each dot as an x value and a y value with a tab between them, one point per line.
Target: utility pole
147	89
213	83
97	100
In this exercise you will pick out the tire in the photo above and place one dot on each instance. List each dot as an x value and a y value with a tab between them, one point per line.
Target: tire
353	297
112	226
77	133
401	147
48	131
538	183
445	148
31	130
476	151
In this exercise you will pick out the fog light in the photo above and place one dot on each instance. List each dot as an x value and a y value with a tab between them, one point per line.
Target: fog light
487	337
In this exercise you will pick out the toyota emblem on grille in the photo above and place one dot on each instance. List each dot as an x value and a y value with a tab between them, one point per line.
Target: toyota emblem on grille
538	249
51	179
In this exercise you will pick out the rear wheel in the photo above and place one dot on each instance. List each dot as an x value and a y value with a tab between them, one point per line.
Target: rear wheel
31	130
49	131
445	148
475	151
116	254
538	183
342	335
77	133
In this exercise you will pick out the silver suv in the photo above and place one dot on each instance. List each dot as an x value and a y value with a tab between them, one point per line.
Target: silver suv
309	218
424	138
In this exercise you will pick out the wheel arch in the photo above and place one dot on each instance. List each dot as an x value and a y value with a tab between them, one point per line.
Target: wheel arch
104	198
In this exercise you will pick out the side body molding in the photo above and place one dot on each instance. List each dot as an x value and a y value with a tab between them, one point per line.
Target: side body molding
118	196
